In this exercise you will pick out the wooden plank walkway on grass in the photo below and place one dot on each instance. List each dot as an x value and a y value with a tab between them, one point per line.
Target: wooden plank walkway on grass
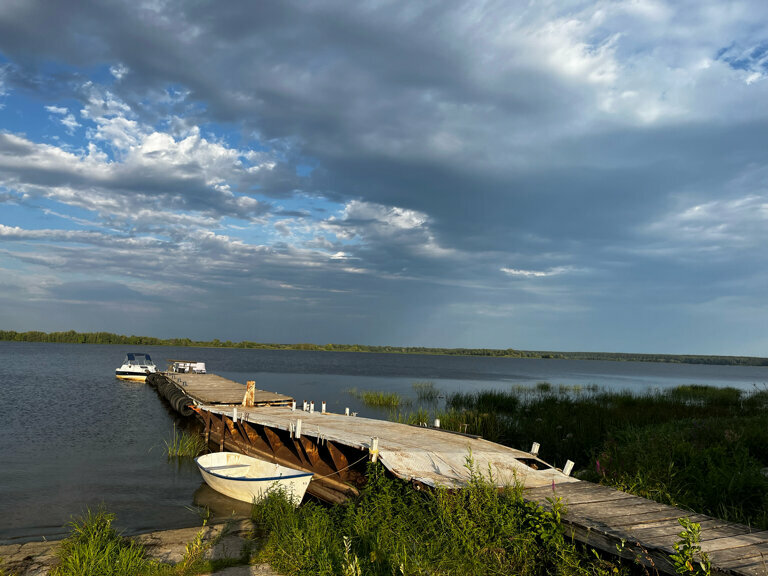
644	530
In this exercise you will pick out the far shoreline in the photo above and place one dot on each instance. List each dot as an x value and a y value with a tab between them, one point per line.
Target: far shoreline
72	337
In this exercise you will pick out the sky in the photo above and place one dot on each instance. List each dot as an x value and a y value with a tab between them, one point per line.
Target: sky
542	175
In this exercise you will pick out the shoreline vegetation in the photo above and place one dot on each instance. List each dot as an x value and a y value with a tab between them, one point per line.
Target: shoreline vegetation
72	337
698	448
701	448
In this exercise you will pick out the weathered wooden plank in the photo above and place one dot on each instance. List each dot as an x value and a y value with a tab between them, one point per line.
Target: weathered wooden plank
213	389
593	495
735	541
666	536
623	507
734	556
626	522
560	489
752	566
666	525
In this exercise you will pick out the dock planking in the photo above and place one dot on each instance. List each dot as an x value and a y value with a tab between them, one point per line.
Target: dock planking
429	456
647	531
601	517
213	389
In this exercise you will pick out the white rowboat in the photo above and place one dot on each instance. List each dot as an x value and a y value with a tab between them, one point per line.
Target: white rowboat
250	479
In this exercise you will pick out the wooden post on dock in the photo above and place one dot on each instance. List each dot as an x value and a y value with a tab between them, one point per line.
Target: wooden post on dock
250	393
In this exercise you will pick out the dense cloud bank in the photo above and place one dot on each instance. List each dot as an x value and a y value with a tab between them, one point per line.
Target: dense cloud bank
580	175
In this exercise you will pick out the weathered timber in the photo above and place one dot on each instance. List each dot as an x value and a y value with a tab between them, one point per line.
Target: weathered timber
213	389
277	446
425	455
336	449
647	531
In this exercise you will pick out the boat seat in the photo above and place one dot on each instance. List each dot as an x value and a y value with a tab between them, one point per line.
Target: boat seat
228	466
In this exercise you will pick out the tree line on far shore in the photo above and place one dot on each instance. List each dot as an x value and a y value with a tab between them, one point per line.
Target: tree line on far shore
72	337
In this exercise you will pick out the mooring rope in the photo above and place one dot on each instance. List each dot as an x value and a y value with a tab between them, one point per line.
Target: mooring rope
342	470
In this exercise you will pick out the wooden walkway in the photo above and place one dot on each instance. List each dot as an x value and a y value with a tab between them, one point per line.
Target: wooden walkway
213	389
335	448
428	456
646	531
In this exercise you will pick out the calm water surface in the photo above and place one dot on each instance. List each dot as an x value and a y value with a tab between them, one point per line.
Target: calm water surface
75	437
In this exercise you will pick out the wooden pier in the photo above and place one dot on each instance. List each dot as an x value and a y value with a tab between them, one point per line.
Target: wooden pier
213	389
337	448
646	531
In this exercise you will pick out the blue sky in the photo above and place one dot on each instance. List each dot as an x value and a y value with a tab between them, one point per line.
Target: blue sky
545	175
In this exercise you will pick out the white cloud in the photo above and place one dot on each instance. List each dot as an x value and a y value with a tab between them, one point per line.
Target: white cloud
389	219
66	118
715	226
388	227
556	271
118	71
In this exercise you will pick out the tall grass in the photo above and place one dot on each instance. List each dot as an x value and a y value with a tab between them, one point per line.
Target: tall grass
183	444
694	446
392	529
95	548
379	399
426	390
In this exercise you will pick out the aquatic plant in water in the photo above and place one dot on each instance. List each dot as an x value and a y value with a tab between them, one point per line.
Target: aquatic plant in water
378	399
426	390
183	444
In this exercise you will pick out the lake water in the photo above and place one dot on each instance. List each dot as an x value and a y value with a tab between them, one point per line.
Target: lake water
75	437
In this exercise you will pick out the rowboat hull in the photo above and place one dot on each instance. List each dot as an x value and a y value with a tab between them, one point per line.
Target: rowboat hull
250	479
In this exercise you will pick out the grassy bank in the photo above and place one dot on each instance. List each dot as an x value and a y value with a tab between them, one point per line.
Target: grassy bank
95	548
389	529
697	447
392	529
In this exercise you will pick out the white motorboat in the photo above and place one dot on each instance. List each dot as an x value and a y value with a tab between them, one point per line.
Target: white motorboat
136	367
186	367
250	479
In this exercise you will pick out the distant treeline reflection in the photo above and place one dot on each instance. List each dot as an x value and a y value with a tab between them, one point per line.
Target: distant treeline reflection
72	337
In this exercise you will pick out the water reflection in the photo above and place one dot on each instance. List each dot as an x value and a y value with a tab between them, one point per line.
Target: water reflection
220	506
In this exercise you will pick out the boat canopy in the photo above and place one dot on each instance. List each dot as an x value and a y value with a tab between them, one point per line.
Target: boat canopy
137	358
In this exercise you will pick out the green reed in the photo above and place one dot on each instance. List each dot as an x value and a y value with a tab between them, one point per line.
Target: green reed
426	390
700	447
379	399
183	444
